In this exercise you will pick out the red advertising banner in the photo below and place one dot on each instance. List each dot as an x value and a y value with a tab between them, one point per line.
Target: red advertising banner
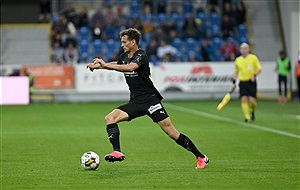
51	76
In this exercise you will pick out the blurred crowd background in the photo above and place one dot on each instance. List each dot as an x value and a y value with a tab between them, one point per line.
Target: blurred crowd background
172	31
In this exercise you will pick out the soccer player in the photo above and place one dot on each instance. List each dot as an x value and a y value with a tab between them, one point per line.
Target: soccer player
144	98
247	67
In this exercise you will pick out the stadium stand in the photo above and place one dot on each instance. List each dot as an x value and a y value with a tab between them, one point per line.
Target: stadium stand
207	22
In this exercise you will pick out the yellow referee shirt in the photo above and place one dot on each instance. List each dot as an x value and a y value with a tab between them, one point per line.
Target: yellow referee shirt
246	66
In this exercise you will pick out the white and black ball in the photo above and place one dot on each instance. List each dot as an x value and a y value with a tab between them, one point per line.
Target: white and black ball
90	160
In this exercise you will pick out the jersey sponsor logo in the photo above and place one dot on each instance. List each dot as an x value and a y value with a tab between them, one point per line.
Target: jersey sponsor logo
131	74
154	108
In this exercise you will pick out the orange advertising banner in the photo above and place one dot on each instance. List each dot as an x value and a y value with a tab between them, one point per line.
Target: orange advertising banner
51	76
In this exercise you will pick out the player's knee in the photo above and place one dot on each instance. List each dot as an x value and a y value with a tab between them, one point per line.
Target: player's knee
109	119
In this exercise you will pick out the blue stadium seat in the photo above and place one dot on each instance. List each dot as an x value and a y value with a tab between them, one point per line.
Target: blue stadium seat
187	7
121	2
217	43
161	18
134	8
118	30
190	45
84	57
110	31
215	18
215	30
178	44
107	2
84	33
53	19
196	54
217	56
110	47
97	46
177	19
84	46
186	15
142	44
154	60
242	30
179	57
148	17
243	39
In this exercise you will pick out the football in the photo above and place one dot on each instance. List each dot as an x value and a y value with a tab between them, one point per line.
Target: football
90	160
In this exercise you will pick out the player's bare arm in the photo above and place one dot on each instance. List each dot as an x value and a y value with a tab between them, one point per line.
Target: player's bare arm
99	60
122	68
97	65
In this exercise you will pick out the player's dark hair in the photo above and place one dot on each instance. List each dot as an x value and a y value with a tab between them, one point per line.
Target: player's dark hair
132	33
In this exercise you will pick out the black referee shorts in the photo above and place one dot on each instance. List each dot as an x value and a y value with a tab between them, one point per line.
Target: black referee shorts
248	88
153	108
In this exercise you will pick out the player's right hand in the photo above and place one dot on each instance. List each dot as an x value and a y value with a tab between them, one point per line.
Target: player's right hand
92	66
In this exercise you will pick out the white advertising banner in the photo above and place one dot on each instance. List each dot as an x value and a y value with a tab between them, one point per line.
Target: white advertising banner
99	80
194	77
267	79
185	77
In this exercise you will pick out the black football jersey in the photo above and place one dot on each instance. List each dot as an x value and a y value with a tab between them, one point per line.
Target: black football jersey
138	81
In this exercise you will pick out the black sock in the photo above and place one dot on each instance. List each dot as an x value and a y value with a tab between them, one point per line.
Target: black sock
113	136
186	143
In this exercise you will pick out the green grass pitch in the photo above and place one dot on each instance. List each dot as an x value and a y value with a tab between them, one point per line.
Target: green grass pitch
41	145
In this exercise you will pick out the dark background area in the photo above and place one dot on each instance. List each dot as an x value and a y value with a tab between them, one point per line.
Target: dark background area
19	11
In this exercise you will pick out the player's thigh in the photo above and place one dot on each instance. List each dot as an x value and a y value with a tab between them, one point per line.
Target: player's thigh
133	110
116	116
167	126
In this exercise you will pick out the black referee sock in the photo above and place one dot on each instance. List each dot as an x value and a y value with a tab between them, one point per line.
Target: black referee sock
186	143
113	136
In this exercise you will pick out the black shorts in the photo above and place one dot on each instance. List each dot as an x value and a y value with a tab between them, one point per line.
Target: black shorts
248	88
153	108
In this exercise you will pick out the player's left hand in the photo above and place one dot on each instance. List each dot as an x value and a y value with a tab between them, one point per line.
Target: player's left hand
99	61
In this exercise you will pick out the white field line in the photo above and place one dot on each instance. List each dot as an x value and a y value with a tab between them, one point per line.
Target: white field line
293	116
220	118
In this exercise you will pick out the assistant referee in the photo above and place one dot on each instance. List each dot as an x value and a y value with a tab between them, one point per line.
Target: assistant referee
247	67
